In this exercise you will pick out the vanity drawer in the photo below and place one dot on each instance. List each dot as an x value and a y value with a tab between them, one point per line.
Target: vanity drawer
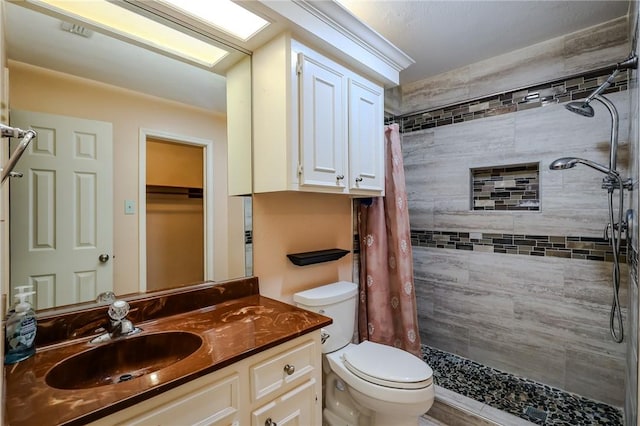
284	370
204	401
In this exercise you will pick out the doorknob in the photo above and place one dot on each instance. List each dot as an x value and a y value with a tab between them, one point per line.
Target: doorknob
103	258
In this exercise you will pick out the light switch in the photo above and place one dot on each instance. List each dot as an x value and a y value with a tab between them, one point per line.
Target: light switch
129	207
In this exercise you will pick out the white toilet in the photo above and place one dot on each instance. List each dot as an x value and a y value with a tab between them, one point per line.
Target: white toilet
368	383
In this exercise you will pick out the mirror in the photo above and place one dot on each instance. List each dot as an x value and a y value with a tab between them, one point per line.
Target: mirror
71	79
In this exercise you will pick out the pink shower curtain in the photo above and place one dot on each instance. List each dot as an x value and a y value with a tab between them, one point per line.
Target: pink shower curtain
387	308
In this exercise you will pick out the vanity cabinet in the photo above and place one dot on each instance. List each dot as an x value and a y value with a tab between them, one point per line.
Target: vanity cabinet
318	126
279	385
295	407
283	386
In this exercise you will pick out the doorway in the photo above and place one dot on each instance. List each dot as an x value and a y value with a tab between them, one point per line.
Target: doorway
176	222
175	219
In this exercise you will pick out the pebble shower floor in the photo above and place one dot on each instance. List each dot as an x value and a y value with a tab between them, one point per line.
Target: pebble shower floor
538	403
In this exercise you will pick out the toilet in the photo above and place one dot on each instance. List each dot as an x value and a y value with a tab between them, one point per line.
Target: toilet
367	383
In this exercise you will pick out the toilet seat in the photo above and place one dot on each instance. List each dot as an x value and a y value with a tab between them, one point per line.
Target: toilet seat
387	366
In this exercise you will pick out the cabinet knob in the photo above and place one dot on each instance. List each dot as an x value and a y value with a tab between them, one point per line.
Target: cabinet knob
339	177
358	179
289	369
270	422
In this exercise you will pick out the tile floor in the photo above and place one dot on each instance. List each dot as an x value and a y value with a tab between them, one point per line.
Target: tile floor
535	402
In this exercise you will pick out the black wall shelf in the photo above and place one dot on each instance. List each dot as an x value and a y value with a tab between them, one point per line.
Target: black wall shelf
319	256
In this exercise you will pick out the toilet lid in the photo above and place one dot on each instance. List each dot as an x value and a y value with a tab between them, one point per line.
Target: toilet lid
387	366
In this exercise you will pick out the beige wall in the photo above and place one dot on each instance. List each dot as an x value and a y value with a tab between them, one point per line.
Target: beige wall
37	89
172	164
175	247
294	222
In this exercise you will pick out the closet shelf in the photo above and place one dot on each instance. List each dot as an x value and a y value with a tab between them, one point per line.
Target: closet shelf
319	256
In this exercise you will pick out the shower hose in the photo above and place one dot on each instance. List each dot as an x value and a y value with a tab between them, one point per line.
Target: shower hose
616	237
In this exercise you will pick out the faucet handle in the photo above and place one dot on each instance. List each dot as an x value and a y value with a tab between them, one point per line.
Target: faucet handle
107	296
118	310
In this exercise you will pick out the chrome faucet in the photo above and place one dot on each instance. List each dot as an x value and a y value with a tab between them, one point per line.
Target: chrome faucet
118	325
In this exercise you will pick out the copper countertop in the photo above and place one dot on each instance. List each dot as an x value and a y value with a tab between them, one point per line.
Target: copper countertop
230	331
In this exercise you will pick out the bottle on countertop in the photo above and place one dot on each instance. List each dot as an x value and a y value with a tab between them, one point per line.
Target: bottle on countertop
19	289
20	329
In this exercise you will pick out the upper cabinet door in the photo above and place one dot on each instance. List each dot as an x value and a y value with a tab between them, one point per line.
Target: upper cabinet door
323	127
366	136
317	125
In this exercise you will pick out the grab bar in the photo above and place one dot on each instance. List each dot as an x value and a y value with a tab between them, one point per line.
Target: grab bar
14	132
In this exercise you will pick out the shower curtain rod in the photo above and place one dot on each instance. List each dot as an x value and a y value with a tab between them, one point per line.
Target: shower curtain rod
14	132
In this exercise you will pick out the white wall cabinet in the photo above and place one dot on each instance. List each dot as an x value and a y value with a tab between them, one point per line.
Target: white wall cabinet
282	385
318	125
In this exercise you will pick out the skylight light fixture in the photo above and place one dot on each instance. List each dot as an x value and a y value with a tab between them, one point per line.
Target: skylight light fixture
132	26
225	15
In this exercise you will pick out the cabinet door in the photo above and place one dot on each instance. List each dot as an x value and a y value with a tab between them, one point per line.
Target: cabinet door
293	408
323	137
366	137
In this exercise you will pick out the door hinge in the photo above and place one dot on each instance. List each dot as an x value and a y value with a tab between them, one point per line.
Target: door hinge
299	64
299	168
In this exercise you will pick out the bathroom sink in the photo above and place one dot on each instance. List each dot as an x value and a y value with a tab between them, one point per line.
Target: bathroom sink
122	360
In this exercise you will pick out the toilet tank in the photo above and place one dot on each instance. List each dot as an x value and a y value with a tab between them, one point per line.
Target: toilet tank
337	301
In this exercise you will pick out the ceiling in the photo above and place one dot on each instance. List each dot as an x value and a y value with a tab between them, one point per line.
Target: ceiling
445	35
34	36
438	35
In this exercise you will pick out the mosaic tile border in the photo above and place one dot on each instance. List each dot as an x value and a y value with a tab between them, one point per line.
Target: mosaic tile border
568	247
562	90
519	396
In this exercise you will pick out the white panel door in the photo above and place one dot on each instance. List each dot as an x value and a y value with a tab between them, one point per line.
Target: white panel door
323	115
366	136
61	210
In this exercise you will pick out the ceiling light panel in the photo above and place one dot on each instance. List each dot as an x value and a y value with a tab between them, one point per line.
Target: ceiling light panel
138	28
225	15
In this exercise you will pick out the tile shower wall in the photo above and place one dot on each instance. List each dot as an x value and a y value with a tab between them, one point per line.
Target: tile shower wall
631	384
542	317
559	57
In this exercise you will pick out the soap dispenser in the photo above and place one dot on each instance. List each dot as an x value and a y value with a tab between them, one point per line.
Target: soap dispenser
19	289
20	329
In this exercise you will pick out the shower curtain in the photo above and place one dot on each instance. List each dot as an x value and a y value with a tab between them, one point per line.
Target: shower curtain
387	308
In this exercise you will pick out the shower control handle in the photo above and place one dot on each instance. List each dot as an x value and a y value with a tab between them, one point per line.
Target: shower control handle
605	234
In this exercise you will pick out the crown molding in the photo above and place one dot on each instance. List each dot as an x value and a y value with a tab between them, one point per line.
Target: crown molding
339	32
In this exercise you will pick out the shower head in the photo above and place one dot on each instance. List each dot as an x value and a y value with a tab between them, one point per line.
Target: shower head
582	108
563	163
570	162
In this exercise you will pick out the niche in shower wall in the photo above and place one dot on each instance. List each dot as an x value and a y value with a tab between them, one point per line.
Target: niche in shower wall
512	187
